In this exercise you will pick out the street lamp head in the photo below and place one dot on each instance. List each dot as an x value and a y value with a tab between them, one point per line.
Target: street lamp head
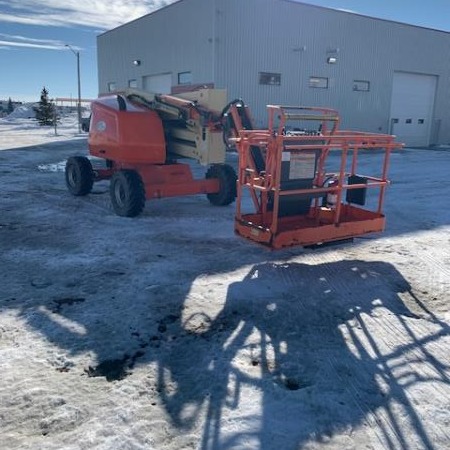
71	49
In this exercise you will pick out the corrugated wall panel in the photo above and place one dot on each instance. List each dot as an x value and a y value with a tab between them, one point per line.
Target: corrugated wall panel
230	41
295	40
175	39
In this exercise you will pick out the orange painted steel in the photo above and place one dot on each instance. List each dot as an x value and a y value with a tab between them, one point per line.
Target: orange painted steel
133	135
132	138
164	180
172	180
320	223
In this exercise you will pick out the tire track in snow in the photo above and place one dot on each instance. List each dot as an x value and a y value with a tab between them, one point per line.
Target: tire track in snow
329	275
405	338
387	326
343	287
414	359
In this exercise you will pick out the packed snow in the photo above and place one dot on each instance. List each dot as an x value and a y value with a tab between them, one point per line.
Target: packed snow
20	129
167	331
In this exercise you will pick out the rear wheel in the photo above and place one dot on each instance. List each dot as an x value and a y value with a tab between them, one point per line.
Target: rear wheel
79	175
127	193
227	184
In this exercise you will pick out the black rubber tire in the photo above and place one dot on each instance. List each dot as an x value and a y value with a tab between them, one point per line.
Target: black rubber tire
227	134
127	193
227	180
79	175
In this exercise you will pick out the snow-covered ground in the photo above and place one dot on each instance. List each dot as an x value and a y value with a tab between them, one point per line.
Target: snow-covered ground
168	332
20	129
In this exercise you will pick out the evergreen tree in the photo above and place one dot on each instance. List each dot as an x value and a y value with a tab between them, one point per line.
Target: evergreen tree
10	107
45	111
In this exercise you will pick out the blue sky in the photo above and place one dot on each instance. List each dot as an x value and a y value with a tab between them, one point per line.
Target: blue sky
33	34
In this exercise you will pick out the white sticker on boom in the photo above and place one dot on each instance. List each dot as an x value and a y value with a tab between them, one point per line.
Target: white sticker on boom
302	166
286	156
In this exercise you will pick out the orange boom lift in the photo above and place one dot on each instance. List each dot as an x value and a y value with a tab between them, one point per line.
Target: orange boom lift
141	136
286	192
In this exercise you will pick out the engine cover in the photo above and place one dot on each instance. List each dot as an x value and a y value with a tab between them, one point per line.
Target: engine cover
124	132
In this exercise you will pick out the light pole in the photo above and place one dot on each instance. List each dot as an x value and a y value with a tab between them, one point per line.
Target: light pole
77	54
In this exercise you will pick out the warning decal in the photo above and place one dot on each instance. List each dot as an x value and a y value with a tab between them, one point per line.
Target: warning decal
302	166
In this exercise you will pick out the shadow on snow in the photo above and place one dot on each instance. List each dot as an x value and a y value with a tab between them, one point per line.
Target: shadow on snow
304	342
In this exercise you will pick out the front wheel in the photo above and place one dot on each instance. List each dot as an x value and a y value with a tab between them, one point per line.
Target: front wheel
227	184
127	193
79	175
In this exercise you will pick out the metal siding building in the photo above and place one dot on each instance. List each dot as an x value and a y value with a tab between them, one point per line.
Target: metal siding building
383	76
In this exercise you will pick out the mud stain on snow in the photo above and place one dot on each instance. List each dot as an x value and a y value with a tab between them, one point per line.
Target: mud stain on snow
60	302
115	369
111	369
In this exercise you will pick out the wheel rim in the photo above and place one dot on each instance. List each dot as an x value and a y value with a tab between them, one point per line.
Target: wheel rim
72	176
119	195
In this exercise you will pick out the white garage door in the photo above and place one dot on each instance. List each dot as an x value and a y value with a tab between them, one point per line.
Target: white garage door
412	108
161	84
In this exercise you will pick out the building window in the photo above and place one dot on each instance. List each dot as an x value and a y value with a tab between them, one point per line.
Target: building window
185	78
132	83
318	82
361	85
272	79
111	86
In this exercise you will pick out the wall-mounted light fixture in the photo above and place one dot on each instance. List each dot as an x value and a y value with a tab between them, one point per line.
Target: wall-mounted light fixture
332	60
137	62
